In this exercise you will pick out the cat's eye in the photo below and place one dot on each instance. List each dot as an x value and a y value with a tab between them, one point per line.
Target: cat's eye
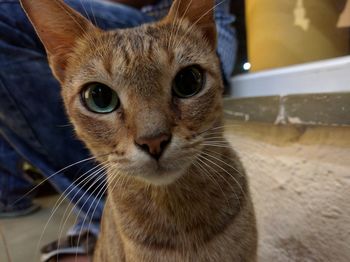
99	98
188	81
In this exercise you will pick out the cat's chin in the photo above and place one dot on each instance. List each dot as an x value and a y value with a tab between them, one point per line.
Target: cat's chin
161	178
155	174
159	175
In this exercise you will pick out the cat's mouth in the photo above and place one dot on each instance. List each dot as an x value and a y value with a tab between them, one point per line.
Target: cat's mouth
161	172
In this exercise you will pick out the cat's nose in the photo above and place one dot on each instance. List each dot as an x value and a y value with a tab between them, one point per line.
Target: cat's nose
153	145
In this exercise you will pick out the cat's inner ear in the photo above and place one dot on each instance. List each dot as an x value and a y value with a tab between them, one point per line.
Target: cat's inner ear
200	14
58	27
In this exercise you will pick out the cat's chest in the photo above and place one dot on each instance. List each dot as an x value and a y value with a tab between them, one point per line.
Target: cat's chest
163	225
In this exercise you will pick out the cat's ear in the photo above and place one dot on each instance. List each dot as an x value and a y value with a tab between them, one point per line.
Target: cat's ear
200	13
58	27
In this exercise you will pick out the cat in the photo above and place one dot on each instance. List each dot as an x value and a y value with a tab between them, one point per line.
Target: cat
147	102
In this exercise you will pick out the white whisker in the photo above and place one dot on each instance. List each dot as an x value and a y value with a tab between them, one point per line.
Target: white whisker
211	178
216	172
49	177
63	196
99	180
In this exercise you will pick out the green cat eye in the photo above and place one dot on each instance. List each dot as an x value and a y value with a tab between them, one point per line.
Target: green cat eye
99	98
188	81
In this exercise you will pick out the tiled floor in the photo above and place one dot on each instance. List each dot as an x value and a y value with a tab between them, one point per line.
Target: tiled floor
23	235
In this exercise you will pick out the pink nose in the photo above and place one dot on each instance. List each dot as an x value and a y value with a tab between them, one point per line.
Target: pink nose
153	145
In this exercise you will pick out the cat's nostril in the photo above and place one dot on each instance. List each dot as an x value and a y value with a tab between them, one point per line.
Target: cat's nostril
144	147
164	144
154	145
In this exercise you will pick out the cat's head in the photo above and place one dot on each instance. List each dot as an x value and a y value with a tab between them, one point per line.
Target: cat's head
139	98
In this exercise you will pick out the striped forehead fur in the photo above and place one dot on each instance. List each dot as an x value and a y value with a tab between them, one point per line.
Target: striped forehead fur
149	42
140	57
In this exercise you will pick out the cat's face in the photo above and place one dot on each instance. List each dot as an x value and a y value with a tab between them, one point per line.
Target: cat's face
141	98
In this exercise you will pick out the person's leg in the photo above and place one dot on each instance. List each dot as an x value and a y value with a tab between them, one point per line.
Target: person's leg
13	184
31	115
227	40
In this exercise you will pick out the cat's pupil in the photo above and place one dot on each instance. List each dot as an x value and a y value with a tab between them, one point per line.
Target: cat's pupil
102	96
188	82
99	98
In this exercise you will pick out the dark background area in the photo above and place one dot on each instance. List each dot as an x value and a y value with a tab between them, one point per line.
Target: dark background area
238	9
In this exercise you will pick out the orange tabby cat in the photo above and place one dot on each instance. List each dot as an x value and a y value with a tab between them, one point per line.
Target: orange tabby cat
147	102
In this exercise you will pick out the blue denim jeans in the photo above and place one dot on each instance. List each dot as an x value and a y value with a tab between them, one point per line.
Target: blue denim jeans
33	124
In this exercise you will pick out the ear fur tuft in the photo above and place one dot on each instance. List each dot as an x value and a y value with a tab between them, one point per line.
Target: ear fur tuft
200	13
58	27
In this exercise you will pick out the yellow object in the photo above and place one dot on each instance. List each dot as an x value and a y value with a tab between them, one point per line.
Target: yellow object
287	32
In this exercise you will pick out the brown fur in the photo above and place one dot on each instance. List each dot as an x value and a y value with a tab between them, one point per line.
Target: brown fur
194	203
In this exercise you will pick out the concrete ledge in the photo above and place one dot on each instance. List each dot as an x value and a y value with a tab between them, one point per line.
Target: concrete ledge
306	109
288	135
